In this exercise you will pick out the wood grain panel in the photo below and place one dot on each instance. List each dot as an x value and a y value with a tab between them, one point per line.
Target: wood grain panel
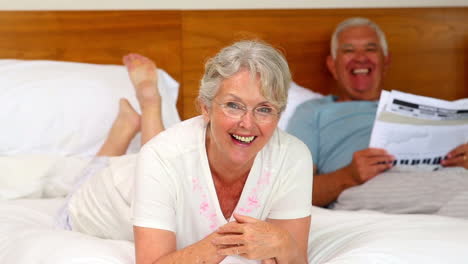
205	32
93	36
429	46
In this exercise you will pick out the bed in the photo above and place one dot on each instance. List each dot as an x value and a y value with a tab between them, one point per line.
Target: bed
60	81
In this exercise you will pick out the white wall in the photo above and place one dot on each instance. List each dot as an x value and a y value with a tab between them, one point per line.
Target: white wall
215	4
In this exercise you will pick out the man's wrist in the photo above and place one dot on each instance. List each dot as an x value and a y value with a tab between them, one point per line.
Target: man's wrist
351	177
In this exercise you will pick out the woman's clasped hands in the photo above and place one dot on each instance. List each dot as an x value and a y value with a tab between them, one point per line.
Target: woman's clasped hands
251	238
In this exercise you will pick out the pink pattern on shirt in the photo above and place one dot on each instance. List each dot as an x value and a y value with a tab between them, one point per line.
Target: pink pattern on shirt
253	202
205	209
204	206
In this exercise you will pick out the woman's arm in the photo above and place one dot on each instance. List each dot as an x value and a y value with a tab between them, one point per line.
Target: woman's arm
159	246
298	230
284	240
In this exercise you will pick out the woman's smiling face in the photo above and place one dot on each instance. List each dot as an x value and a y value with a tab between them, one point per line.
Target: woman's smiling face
237	140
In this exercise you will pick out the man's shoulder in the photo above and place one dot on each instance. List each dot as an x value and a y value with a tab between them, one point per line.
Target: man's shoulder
310	106
348	107
305	115
326	100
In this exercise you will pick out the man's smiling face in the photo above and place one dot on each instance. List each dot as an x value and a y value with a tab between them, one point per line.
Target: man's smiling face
360	64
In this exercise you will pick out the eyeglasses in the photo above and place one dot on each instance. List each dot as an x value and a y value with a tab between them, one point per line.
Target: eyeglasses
262	114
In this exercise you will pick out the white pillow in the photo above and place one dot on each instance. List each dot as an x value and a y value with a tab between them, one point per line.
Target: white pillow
67	108
296	96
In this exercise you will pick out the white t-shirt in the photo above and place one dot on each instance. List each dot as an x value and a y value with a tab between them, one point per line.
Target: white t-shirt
174	189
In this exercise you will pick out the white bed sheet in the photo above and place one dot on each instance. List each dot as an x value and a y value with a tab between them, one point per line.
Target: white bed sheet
28	236
372	237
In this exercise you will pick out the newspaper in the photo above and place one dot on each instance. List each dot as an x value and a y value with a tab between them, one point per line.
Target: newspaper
419	131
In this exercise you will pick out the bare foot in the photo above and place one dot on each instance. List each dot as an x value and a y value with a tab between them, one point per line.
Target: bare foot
128	118
142	73
124	128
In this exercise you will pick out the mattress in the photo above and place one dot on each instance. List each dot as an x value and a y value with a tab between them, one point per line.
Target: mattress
28	234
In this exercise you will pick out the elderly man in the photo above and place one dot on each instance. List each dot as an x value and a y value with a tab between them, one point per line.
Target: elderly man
337	128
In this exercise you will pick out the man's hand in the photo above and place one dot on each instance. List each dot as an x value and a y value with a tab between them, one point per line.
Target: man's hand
458	157
368	163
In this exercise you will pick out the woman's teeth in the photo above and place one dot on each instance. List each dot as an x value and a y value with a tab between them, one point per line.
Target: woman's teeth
244	139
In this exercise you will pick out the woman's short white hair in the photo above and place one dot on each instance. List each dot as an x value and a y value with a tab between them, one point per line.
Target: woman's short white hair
260	59
354	22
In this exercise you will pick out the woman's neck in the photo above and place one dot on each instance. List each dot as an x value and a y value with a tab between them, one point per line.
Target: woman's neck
227	172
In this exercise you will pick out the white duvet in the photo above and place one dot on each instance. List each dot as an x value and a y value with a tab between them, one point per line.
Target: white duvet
372	237
28	236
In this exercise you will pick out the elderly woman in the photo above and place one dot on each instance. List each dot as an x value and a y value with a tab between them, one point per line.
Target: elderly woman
227	183
223	187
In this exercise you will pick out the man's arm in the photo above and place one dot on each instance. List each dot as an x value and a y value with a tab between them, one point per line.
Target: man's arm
458	157
328	186
366	164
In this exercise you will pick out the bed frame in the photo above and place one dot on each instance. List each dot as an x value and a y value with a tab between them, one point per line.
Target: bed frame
429	46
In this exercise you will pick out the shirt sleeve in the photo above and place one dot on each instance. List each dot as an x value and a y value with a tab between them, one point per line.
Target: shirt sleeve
155	192
303	125
294	197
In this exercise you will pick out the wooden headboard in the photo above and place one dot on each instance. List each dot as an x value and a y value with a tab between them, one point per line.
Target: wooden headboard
429	46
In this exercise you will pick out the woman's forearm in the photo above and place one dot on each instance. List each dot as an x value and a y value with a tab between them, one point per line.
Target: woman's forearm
291	252
201	252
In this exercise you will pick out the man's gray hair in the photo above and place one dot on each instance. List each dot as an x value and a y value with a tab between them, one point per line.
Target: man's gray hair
260	59
354	22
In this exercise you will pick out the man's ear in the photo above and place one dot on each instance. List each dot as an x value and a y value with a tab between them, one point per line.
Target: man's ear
387	62
331	66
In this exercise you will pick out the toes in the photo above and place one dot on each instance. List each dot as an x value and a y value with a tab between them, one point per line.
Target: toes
145	60
127	59
131	60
